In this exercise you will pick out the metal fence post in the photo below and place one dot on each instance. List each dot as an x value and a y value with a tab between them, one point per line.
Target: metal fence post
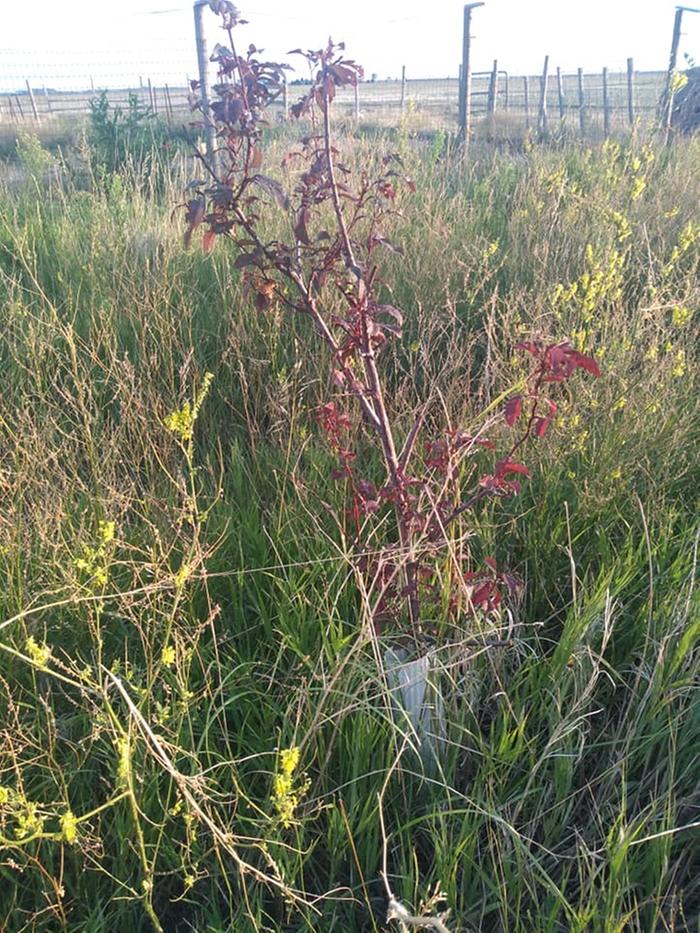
203	65
32	101
630	90
581	103
526	95
543	121
606	104
560	95
466	89
493	88
668	93
168	103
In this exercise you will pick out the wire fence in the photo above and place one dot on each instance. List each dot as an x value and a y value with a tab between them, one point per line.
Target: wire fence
591	102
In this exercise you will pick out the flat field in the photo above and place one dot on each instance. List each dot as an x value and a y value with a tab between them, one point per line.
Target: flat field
196	729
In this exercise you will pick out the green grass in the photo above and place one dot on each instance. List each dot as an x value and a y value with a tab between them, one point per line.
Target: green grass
224	606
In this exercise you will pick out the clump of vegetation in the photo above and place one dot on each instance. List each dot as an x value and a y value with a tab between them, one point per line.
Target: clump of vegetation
131	138
197	727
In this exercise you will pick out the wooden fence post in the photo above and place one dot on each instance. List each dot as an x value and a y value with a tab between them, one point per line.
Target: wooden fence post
630	90
493	88
543	122
403	86
606	104
560	95
19	106
357	101
505	92
285	98
581	103
526	94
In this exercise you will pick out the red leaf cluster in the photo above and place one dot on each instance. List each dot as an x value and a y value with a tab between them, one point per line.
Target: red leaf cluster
326	268
486	586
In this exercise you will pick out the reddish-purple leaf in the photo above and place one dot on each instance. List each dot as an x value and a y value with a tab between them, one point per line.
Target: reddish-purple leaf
588	363
208	241
529	346
505	467
514	407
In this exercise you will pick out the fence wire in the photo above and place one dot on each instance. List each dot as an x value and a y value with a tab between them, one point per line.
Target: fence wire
34	91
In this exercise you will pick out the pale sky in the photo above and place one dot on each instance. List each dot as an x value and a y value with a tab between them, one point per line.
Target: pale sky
62	42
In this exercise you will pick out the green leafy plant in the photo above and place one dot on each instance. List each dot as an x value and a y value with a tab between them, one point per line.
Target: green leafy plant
125	138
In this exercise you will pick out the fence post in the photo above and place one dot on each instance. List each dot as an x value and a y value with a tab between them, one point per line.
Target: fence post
202	62
403	86
356	89
560	95
285	98
493	88
19	106
543	122
581	103
32	101
630	90
668	93
465	108
47	98
526	94
606	104
505	91
168	103
460	89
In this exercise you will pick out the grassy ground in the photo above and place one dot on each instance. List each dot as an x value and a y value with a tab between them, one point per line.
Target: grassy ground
173	615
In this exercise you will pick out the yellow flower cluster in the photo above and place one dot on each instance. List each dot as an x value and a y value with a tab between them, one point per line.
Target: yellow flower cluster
69	827
93	563
29	820
182	421
601	283
288	789
168	655
39	654
681	316
687	238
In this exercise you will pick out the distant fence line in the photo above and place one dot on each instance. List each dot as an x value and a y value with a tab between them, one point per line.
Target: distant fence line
592	102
